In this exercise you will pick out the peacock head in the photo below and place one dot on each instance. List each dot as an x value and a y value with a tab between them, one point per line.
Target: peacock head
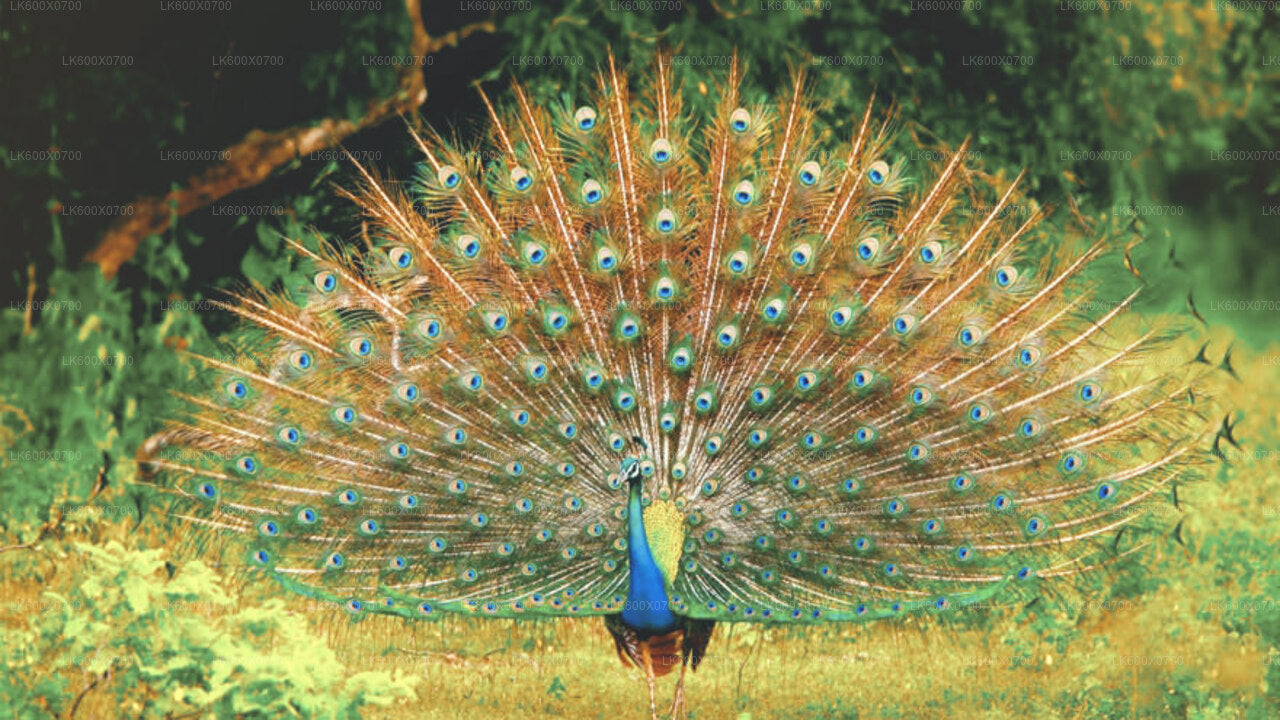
631	471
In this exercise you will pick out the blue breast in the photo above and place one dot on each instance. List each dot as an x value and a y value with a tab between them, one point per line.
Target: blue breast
647	608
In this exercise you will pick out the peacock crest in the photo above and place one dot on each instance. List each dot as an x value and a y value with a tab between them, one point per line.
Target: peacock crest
844	386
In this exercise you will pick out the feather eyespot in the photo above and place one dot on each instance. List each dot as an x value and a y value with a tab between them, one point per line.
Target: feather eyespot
864	435
1005	276
660	151
712	445
665	221
801	254
810	173
301	360
867	248
468	245
592	192
325	281
930	252
606	259
585	118
979	412
863	378
521	180
1030	427
806	380
744	193
408	392
400	257
1072	462
664	288
535	253
727	337
448	176
430	328
920	396
740	120
878	173
344	414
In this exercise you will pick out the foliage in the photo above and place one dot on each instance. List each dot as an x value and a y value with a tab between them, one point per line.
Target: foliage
161	641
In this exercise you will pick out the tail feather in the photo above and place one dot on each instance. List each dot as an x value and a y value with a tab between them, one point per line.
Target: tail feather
868	394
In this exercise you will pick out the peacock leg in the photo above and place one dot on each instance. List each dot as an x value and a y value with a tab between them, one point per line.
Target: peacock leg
648	677
677	703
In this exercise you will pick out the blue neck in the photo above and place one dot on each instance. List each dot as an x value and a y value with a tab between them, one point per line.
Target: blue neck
647	607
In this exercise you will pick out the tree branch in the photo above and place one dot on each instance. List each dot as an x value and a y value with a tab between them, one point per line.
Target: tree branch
260	153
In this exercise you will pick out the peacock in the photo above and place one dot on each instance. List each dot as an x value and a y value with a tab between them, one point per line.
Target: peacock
614	359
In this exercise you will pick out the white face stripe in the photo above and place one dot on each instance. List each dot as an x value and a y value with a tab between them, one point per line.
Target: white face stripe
630	469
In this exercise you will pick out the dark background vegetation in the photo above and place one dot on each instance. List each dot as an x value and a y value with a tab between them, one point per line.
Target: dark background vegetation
1169	147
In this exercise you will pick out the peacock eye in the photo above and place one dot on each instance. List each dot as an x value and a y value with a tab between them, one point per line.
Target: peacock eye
534	253
903	324
468	245
429	328
301	360
400	257
521	179
810	173
325	281
592	192
801	254
1028	356
773	309
664	288
728	336
744	193
666	221
660	150
930	252
740	120
841	315
878	173
867	248
448	176
585	118
738	262
1005	275
606	259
